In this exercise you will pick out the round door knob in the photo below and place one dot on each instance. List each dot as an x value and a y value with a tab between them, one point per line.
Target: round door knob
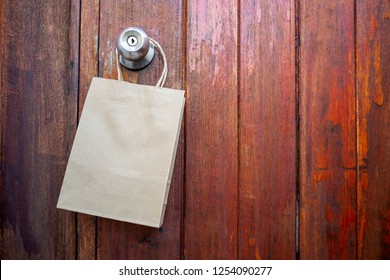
135	49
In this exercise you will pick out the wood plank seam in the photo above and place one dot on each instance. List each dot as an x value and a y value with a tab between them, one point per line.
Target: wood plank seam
356	126
77	26
238	122
297	112
185	58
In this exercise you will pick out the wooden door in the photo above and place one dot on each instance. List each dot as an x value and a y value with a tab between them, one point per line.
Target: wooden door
284	151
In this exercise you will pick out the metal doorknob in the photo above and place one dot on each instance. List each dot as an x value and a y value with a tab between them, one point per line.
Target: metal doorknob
135	49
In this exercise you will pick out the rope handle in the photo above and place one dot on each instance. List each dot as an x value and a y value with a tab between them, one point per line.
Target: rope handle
164	73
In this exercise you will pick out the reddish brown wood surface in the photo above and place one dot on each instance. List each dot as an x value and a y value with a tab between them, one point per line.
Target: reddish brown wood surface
267	130
210	224
89	46
327	130
1	38
88	40
373	88
260	124
38	120
162	20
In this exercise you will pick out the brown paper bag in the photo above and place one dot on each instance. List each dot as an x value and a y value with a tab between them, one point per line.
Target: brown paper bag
122	158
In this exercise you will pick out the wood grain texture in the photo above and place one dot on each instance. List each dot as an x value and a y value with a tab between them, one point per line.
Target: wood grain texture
89	64
3	253
89	46
373	88
1	50
267	130
38	119
233	189
327	130
210	224
162	20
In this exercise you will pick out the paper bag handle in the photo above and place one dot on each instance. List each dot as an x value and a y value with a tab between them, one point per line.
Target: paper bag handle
164	74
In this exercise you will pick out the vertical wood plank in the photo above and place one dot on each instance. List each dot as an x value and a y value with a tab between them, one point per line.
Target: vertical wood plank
267	130
89	40
38	119
327	130
1	49
89	46
373	87
3	252
162	20
211	131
